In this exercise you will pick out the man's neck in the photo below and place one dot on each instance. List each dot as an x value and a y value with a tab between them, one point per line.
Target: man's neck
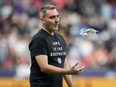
51	33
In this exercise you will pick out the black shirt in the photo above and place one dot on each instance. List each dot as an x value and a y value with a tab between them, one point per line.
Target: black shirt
54	47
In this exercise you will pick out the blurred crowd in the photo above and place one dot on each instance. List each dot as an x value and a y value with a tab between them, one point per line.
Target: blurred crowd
19	21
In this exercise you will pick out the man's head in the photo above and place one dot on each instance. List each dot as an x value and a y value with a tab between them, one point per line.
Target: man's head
49	17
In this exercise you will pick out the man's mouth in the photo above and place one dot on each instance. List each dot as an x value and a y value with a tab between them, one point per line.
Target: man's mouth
55	26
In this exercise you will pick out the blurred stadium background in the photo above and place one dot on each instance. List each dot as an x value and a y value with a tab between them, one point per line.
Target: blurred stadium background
19	21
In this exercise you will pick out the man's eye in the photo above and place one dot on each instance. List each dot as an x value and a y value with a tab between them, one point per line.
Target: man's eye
52	17
57	16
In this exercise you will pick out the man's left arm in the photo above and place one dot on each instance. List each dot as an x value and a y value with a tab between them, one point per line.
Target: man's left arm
68	78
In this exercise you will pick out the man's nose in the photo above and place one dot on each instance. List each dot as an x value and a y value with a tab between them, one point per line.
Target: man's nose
56	20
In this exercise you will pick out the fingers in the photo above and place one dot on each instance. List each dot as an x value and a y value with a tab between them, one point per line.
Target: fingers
81	69
75	65
76	71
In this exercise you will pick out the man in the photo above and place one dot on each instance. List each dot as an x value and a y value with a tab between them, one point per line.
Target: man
48	52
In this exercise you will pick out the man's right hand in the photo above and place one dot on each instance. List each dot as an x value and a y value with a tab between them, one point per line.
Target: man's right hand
75	71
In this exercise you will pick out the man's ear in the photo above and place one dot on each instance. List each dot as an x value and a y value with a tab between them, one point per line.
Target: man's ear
42	19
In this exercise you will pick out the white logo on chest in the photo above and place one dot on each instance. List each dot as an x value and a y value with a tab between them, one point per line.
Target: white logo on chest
59	60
